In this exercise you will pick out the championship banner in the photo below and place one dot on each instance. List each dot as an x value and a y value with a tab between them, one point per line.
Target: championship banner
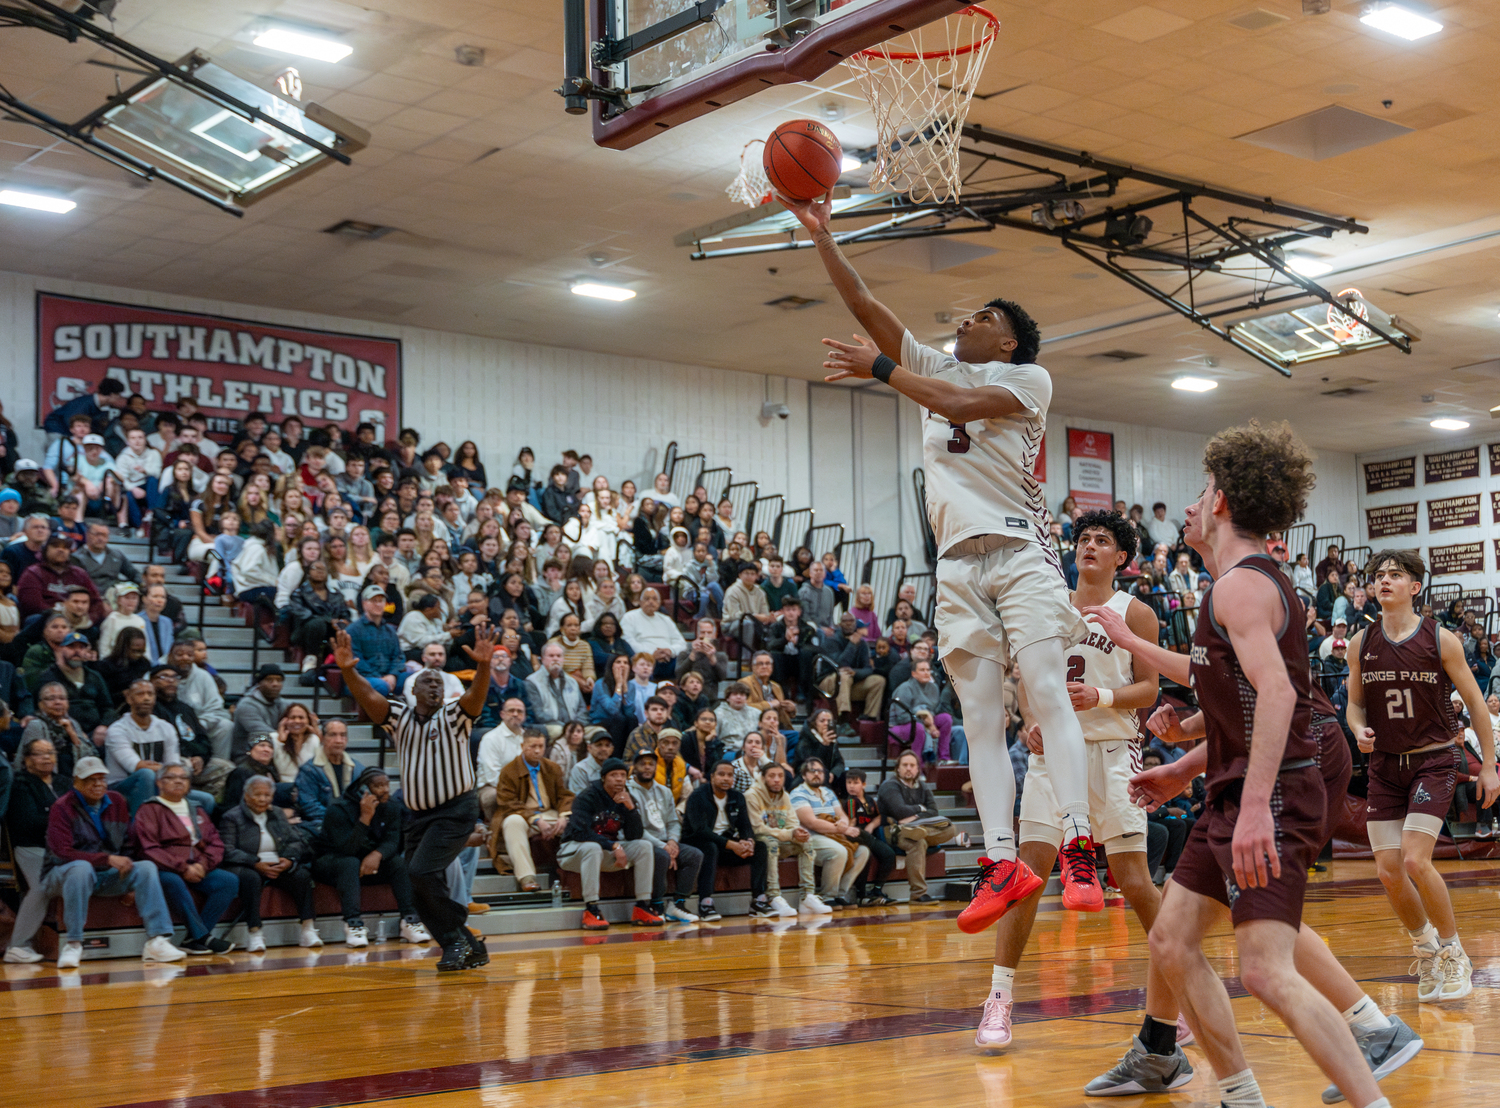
1091	469
1396	519
1495	459
1461	557
1495	506
1451	465
1453	511
229	367
1398	473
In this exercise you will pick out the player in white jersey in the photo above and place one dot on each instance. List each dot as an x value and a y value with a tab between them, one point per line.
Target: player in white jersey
1001	595
1108	687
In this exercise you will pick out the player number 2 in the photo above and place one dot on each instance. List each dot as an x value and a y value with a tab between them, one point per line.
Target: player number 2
1075	668
1393	702
960	442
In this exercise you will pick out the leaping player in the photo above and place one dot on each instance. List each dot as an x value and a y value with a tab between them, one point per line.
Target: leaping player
1386	1042
1403	670
1108	686
1001	594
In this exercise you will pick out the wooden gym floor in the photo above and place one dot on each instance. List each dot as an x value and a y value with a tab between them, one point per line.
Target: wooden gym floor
870	1008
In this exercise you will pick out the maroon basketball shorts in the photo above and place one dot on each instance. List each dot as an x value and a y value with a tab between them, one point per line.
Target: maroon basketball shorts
1414	784
1336	764
1299	815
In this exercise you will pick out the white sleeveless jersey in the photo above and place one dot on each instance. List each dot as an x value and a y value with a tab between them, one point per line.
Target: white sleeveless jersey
1099	662
979	475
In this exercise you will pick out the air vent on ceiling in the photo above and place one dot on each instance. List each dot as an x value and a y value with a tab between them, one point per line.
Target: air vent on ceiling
1258	20
792	303
1325	133
355	229
1119	355
1348	386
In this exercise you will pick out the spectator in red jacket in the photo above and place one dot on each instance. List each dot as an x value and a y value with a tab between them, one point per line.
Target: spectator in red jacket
173	831
46	583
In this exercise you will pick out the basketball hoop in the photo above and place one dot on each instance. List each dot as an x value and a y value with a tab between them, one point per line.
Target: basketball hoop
1344	329
919	86
750	188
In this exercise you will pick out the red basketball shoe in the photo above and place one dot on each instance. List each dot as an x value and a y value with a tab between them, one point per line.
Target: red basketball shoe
998	887
1080	877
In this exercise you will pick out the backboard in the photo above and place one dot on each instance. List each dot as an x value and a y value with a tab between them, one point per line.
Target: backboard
655	64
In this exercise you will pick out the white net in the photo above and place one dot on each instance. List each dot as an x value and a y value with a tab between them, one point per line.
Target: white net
919	86
751	188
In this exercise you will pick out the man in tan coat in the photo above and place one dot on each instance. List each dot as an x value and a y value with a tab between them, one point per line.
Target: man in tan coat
777	825
765	693
531	800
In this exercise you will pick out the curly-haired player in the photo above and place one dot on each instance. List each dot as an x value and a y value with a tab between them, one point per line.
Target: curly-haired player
1264	819
1001	594
1108	687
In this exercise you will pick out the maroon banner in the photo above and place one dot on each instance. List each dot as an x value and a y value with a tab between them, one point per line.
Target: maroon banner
1394	519
1451	465
1495	459
229	367
1398	473
1453	511
1461	557
1495	506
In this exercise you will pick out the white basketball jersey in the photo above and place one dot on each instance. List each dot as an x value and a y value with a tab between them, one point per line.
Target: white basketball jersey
1099	662
979	475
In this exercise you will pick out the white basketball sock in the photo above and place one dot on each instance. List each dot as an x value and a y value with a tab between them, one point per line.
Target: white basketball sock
1241	1090
1002	980
1365	1016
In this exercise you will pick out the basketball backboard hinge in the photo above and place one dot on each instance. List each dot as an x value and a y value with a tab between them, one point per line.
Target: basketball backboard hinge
788	33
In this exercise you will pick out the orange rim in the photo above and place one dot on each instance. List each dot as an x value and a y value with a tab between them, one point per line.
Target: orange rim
956	52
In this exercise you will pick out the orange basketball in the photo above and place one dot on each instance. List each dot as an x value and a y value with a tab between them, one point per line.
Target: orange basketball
803	159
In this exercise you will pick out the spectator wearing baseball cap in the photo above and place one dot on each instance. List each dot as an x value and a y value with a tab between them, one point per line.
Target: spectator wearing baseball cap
1338	631
377	649
89	701
259	710
86	831
47	582
35	495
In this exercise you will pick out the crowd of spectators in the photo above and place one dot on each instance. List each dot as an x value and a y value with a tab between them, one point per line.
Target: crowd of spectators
134	764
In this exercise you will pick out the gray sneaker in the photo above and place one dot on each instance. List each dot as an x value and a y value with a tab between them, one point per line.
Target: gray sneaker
1140	1071
1385	1051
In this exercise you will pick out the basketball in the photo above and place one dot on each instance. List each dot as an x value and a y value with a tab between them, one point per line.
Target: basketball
803	159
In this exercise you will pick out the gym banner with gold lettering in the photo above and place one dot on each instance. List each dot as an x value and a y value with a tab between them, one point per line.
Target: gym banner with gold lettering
228	367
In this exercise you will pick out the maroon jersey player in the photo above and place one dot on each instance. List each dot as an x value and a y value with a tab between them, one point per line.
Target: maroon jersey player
1403	671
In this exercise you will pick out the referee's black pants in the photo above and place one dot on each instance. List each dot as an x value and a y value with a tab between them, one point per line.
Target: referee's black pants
434	838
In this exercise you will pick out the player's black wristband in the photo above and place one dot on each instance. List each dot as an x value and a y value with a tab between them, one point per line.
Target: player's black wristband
882	369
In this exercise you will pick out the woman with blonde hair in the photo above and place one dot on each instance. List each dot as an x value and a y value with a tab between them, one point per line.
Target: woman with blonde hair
426	530
254	507
361	554
863	608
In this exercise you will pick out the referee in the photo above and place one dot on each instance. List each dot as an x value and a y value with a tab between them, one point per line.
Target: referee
437	785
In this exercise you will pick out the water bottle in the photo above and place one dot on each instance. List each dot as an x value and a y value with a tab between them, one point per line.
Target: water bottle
556	893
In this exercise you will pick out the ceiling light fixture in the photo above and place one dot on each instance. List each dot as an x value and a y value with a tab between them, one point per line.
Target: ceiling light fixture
602	292
1195	384
1307	266
849	164
303	44
1401	22
1449	424
36	201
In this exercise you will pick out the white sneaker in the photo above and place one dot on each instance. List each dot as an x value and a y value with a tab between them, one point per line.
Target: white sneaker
1457	973
310	936
22	954
159	949
1429	976
72	953
414	933
309	661
256	942
813	904
678	915
355	935
780	907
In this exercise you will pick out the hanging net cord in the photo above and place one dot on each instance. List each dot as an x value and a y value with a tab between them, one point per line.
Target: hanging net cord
751	188
919	86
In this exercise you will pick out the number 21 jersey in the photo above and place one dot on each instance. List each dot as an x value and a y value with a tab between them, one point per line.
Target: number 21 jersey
979	475
1408	696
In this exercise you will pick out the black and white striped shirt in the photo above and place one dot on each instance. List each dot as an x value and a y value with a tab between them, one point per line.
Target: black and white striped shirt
433	754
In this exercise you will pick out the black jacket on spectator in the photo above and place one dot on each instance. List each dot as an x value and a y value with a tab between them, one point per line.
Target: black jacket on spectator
729	570
192	739
559	505
90	705
898	800
31	799
808	636
241	835
305	604
118	678
599	818
646	540
343	834
701	811
810	746
852	655
686	710
13	689
234	784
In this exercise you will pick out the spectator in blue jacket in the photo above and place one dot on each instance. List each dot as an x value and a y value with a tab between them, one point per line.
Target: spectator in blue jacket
323	780
504	685
380	658
111	394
